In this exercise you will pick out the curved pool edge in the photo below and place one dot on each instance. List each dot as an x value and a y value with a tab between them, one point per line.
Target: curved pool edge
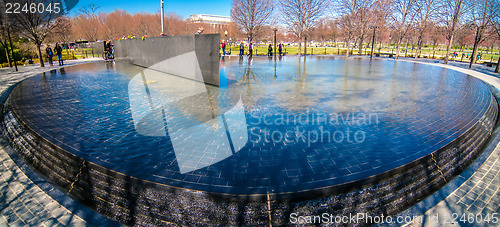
26	190
445	201
134	201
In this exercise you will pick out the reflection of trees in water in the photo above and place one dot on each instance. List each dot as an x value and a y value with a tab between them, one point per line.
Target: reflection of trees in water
300	85
251	86
296	96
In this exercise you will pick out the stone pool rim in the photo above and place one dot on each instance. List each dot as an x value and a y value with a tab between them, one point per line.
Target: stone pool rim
292	196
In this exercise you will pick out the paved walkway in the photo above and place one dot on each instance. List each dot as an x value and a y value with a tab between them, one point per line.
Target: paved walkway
477	190
23	202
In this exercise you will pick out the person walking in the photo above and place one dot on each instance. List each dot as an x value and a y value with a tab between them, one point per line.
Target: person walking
280	48
200	31
242	49
58	50
50	54
250	50
270	50
224	48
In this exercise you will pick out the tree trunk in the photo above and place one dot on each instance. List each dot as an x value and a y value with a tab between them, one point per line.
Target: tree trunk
448	48
497	69
406	49
348	44
360	46
40	57
474	51
7	54
419	46
300	44
398	48
305	45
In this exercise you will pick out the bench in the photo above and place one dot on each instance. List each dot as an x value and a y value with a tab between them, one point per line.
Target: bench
490	64
390	55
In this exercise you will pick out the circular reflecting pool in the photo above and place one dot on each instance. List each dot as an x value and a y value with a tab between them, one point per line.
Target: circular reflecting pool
279	126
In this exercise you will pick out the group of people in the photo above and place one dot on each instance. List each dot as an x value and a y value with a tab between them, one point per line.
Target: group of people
109	53
251	47
58	53
468	55
270	50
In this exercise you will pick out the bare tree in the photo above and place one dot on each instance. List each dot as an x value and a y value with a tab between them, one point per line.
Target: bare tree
63	33
88	22
426	16
333	29
90	9
36	26
365	18
301	16
252	15
356	18
496	26
4	25
481	15
402	18
347	28
451	15
322	31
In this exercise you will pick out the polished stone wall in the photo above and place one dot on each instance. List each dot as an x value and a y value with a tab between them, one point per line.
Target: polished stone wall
191	56
134	201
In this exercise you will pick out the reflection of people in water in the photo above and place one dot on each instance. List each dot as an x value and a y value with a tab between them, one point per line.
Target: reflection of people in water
109	65
221	127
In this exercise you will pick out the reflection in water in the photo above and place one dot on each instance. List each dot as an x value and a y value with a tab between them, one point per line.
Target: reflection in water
164	128
162	105
110	65
275	75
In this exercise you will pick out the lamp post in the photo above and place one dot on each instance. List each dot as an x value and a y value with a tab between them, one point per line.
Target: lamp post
225	41
275	30
373	40
162	18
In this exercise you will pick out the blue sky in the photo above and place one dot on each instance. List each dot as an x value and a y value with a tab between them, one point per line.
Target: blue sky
183	8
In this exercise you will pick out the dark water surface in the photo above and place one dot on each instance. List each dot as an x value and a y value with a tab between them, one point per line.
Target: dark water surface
272	126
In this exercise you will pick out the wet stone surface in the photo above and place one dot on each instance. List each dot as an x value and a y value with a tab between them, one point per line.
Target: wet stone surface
272	127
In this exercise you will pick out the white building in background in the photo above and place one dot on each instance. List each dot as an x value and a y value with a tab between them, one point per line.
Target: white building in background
220	24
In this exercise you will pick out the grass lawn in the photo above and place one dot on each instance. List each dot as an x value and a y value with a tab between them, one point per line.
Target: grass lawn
70	54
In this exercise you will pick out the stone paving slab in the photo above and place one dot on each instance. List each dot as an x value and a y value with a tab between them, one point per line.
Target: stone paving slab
22	202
